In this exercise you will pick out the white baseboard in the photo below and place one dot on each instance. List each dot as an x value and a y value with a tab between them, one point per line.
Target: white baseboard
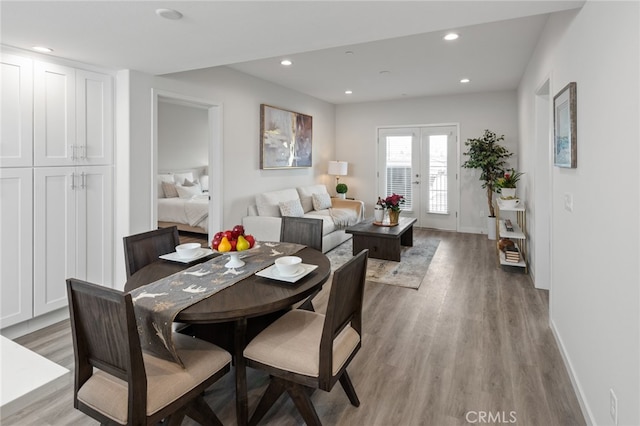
471	230
575	382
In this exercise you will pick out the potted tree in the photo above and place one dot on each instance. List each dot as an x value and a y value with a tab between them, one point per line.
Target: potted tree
487	155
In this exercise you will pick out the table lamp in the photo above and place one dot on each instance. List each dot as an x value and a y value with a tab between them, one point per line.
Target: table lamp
339	168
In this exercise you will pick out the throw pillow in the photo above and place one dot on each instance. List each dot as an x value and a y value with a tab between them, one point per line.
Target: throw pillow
187	182
321	201
169	190
188	191
291	208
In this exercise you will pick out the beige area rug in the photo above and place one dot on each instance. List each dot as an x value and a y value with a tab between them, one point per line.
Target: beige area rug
407	273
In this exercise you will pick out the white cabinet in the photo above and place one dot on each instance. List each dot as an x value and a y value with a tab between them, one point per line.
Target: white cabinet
16	101
73	116
73	225
56	159
16	268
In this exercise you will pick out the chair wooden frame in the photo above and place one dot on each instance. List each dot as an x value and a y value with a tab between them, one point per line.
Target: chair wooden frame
302	230
143	249
344	307
105	337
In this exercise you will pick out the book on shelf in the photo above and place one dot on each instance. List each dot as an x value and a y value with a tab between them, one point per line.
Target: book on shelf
511	254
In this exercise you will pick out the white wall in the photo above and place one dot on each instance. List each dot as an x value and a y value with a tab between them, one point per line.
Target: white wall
356	126
241	96
595	291
183	134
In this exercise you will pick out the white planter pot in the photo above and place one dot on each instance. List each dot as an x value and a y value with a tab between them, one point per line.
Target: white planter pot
378	214
491	228
508	192
343	196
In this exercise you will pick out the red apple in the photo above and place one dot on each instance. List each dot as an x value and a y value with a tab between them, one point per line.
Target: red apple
250	239
228	234
233	245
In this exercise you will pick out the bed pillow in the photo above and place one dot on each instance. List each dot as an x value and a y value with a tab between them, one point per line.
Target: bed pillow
291	208
321	201
180	177
188	191
164	177
169	190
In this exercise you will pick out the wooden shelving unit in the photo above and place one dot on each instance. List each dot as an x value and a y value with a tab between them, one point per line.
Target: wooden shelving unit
518	217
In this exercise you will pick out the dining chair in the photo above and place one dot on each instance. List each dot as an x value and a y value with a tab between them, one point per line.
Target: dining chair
323	345
115	382
302	230
143	249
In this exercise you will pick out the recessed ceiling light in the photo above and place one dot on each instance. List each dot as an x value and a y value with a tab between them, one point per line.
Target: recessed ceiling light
451	36
465	80
385	72
286	62
348	92
42	49
169	13
348	52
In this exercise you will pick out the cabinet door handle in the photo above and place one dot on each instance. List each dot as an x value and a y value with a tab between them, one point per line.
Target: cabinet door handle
73	152
83	181
84	152
73	181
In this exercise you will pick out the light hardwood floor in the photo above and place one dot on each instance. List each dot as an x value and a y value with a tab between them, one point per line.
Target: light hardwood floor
471	339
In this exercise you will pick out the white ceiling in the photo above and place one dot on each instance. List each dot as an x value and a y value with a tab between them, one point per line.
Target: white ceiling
402	37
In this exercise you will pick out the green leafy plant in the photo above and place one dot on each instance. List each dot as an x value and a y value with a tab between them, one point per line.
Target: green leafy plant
487	155
509	179
342	188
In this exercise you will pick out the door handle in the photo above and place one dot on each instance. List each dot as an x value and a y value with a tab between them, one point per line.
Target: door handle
417	181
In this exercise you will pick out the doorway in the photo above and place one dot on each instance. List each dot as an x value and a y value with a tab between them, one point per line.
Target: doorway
213	153
421	163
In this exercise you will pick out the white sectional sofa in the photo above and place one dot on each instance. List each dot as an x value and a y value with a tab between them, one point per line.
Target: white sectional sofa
263	219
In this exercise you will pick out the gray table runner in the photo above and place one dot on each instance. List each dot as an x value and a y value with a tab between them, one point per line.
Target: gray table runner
157	304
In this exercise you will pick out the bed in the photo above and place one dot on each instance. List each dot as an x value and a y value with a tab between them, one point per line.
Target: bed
183	200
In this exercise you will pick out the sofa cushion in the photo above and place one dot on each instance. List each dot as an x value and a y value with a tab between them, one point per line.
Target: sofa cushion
268	202
291	208
305	193
321	201
328	226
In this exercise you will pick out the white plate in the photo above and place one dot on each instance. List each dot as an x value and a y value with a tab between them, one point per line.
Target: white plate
175	258
272	272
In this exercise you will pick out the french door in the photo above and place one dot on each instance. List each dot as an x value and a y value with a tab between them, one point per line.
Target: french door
421	163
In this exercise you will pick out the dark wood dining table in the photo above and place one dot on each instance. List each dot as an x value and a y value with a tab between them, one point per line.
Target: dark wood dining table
251	297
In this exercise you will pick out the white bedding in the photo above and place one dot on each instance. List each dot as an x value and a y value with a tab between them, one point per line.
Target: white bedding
193	211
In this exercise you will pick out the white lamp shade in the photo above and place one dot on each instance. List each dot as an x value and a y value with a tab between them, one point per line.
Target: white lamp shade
338	168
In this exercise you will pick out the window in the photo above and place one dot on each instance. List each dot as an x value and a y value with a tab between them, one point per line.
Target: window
399	168
438	200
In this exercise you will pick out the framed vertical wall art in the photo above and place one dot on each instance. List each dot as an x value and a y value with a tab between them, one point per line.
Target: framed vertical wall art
285	138
565	137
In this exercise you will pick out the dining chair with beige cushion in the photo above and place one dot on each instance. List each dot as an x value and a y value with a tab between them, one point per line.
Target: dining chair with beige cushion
117	383
305	349
145	248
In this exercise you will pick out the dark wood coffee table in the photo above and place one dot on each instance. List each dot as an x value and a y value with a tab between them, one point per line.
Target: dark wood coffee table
383	242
